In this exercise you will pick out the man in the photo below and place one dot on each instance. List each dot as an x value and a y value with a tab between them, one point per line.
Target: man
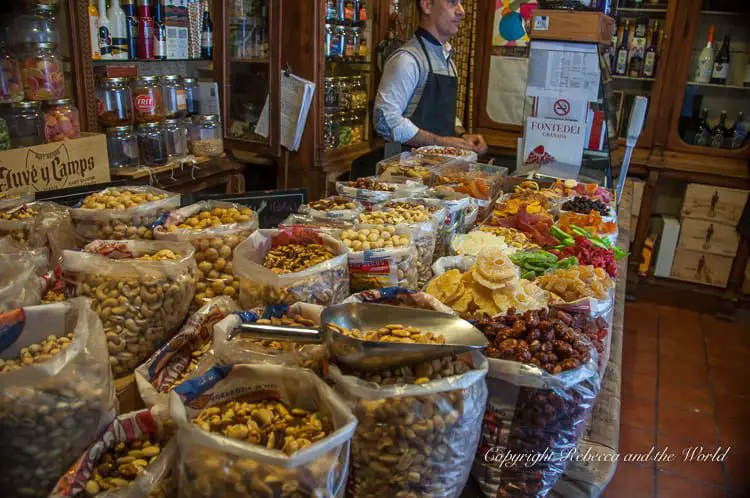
416	101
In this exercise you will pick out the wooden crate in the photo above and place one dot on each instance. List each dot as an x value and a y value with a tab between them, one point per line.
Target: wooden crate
573	26
701	267
709	237
705	202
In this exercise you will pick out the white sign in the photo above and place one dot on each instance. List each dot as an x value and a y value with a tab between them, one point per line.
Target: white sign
562	69
553	140
561	108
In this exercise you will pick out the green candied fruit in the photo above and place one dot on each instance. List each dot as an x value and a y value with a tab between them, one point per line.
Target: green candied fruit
4	135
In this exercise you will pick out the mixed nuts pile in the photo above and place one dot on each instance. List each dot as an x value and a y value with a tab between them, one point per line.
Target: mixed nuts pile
122	464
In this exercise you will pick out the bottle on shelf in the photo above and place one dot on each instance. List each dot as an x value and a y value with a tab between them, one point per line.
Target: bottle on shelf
702	131
737	134
362	13
160	32
207	35
706	59
719	132
332	10
132	27
145	30
720	73
621	64
104	31
119	28
649	61
635	68
94	30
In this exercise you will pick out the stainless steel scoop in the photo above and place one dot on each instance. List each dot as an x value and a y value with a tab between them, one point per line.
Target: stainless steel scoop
460	335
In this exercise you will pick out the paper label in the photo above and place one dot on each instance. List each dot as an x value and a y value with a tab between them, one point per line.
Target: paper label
145	103
553	140
541	23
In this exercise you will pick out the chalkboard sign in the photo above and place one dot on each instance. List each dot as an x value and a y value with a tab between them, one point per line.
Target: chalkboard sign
272	206
70	196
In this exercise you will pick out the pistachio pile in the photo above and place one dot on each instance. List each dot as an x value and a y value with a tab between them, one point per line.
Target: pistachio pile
122	464
163	255
212	218
292	258
392	333
377	237
421	373
332	204
37	353
119	199
268	423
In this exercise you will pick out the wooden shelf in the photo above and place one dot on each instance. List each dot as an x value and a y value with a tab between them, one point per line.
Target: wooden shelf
133	61
630	78
251	60
714	85
723	13
635	10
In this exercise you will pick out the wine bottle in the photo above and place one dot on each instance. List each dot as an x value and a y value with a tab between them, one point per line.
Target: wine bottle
119	25
104	30
737	133
706	59
94	31
720	72
649	62
145	30
621	66
207	35
701	132
132	27
160	33
719	132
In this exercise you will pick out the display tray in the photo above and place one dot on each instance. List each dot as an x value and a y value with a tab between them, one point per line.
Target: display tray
136	172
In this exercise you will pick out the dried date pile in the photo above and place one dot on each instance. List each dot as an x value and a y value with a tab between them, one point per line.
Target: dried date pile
295	257
549	341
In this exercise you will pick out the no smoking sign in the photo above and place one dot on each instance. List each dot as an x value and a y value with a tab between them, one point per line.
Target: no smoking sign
561	107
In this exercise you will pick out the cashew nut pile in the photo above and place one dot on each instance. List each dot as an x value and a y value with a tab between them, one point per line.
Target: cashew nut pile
378	237
421	373
292	258
392	333
139	313
267	423
37	353
212	218
122	464
163	255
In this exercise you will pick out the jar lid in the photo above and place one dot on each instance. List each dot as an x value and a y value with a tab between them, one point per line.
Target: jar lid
43	7
171	121
116	80
48	45
59	102
149	125
171	77
147	79
120	128
208	117
189	81
26	105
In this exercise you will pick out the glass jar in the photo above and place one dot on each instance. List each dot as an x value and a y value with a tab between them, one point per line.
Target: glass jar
345	131
175	138
358	129
359	93
148	100
206	137
41	71
114	102
151	148
345	94
11	88
347	11
341	39
61	120
188	124
331	96
333	41
39	27
4	135
175	99
362	50
330	133
350	43
332	10
26	124
192	96
362	11
122	146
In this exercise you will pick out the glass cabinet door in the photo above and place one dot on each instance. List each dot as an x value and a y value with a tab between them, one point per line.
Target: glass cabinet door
716	99
635	58
248	61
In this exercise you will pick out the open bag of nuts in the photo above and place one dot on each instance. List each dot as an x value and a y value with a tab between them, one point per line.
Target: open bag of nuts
56	393
141	290
457	206
39	225
418	426
122	213
331	226
261	431
19	284
232	347
189	352
333	208
371	192
131	459
534	408
291	265
396	296
380	256
214	228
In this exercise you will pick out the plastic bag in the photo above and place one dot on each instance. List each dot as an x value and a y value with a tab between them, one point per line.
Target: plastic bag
331	226
407	167
233	348
470	219
325	283
140	302
334	215
40	225
9	201
123	224
414	439
372	198
187	353
462	263
481	181
593	323
211	465
456	206
213	248
397	296
447	153
531	412
127	428
383	267
51	411
19	285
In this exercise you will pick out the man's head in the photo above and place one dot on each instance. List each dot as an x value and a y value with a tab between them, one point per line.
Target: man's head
441	17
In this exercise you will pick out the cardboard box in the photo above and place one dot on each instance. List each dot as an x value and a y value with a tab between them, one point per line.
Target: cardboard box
706	202
72	163
116	71
702	267
709	237
574	26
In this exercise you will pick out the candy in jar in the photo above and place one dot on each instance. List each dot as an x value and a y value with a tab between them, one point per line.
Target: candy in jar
61	121
11	88
41	70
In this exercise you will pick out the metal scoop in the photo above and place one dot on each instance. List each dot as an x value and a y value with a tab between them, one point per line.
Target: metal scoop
460	335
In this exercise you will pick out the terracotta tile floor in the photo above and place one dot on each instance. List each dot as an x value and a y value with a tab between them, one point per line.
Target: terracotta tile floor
685	383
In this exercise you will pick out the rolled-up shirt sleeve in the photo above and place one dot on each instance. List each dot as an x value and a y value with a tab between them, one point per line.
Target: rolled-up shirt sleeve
397	85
